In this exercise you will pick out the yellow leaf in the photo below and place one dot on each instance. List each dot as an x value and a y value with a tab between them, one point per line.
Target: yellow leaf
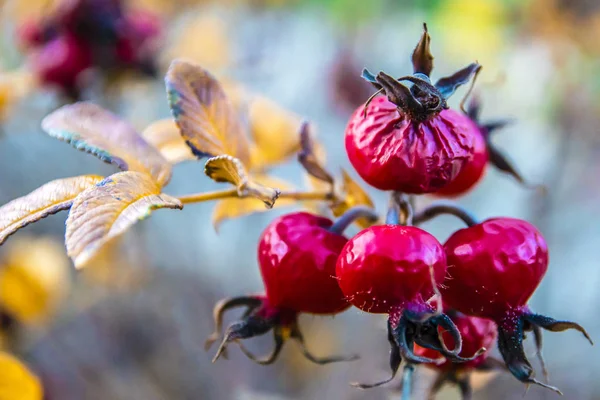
97	131
237	95
14	85
105	211
16	381
235	208
274	131
353	195
230	169
48	199
203	39
164	135
34	278
204	114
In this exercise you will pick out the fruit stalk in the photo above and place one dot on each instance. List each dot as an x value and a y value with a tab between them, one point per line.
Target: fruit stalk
351	216
400	211
444	207
407	377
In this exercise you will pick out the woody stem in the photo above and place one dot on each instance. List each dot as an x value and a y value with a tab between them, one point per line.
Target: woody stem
230	193
202	197
307	195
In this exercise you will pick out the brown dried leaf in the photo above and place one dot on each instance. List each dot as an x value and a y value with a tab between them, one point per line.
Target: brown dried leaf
107	210
48	199
235	208
230	169
16	381
353	195
97	131
164	135
204	114
308	156
274	131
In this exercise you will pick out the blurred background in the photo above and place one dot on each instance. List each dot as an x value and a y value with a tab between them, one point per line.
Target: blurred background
132	325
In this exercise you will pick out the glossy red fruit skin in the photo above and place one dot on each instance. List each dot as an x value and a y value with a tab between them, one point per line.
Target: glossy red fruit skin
60	61
475	333
472	172
390	152
494	267
385	268
297	256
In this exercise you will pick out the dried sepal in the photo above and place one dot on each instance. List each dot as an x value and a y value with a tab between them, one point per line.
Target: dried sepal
164	135
91	128
274	131
372	79
308	157
108	209
230	169
422	59
236	208
54	196
203	113
17	381
448	85
352	195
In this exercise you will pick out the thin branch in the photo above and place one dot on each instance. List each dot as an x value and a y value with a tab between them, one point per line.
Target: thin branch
323	196
209	196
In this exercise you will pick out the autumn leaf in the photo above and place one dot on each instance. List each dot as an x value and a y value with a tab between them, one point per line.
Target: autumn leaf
235	208
14	85
92	129
274	131
230	169
108	209
164	135
203	113
34	278
353	195
16	381
193	43
48	199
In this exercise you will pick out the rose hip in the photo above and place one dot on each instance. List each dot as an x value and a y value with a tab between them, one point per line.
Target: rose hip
297	254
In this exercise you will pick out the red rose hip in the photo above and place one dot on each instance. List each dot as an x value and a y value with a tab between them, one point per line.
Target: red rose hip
61	61
392	152
484	152
496	267
297	254
408	140
386	268
394	269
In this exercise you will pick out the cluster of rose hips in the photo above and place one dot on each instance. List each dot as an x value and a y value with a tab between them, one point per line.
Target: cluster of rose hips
84	34
446	304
